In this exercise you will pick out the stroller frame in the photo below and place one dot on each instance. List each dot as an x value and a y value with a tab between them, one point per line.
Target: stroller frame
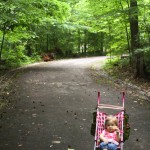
101	117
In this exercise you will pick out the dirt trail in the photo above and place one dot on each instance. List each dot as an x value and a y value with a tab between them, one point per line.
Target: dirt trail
52	106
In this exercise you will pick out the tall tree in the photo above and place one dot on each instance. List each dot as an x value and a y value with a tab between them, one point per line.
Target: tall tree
138	62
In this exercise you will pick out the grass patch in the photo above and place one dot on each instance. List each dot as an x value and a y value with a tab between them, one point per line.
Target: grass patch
118	68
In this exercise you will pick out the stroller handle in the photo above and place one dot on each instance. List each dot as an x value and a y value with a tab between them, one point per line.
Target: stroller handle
123	98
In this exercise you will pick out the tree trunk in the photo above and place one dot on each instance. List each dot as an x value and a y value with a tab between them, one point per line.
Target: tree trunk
3	38
126	28
85	48
102	42
137	58
110	51
79	40
85	41
138	65
134	25
47	42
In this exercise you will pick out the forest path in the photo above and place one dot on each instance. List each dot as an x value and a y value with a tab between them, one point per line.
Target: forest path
52	106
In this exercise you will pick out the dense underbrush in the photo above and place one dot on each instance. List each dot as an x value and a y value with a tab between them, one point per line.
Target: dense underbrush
121	71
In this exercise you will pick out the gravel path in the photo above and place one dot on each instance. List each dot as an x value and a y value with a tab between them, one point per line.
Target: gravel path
52	104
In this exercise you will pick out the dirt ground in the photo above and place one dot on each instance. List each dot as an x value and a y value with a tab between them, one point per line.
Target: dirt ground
51	105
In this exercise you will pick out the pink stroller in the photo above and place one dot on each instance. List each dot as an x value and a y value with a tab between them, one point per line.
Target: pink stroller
101	117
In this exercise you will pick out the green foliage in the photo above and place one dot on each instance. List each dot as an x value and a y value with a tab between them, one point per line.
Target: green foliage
70	27
142	50
116	61
146	53
126	127
15	58
19	21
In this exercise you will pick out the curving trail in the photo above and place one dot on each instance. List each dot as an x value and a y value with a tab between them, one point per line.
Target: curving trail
52	106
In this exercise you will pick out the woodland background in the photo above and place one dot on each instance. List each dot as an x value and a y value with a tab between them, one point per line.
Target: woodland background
75	28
